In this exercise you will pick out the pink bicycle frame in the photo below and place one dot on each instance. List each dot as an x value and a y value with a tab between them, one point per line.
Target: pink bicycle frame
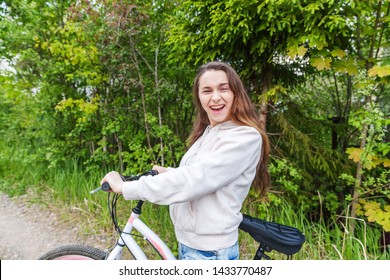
127	239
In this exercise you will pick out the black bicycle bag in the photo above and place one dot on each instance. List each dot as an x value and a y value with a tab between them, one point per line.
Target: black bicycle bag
270	235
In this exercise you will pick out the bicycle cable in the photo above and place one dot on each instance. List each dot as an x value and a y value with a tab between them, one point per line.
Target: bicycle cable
112	205
113	213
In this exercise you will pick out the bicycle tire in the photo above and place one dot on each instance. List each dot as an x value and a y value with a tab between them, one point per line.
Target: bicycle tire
74	252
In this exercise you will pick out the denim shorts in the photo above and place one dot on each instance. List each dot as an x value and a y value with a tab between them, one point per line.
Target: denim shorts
188	253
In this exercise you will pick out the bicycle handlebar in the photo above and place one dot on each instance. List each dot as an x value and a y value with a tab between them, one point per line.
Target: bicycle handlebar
106	186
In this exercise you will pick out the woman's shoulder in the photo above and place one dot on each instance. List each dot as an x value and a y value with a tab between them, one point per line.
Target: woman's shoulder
233	126
236	131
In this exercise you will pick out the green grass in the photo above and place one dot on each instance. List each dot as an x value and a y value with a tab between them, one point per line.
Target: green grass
326	241
68	188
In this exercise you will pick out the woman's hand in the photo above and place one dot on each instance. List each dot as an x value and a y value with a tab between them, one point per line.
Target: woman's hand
160	169
115	181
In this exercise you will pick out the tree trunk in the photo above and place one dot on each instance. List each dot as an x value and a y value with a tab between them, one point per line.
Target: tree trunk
156	81
144	111
359	171
120	150
358	179
157	91
266	85
143	99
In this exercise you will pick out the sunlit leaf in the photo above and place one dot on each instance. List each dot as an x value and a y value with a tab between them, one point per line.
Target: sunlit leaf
373	205
338	53
302	51
380	71
321	63
355	154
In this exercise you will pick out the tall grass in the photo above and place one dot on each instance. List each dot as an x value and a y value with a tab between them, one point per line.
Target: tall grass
328	240
67	189
16	172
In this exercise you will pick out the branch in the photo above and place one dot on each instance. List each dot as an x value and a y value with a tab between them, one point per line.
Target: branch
371	53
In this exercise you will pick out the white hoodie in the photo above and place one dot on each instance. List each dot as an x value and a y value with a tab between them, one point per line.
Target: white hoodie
206	191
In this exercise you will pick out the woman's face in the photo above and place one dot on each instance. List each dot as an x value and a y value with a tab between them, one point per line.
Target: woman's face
215	96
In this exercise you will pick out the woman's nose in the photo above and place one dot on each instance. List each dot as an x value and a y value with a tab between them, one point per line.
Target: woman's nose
216	95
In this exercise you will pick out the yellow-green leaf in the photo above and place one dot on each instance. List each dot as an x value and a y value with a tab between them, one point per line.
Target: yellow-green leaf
321	63
348	66
338	53
380	71
354	154
302	51
372	205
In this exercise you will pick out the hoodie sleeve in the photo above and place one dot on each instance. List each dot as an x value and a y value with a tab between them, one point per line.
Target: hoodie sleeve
223	162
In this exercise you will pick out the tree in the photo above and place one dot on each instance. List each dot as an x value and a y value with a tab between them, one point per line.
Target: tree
359	102
276	45
256	36
95	67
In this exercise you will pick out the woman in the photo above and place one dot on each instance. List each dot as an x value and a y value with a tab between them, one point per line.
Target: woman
228	154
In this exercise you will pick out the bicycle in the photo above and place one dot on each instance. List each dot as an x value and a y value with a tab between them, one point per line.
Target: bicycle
270	236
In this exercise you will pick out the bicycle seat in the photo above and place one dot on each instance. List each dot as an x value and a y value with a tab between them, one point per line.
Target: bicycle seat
284	239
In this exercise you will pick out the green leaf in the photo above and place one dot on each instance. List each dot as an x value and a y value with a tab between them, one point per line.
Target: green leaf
348	66
338	53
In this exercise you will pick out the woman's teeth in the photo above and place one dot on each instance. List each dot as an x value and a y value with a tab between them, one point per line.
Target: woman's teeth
217	108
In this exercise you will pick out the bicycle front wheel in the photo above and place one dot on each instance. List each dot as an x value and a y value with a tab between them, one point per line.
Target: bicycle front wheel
74	252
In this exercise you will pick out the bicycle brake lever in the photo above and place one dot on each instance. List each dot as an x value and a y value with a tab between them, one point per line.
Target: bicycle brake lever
105	187
96	190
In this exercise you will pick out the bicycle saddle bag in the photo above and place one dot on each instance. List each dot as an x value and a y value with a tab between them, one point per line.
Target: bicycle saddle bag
284	239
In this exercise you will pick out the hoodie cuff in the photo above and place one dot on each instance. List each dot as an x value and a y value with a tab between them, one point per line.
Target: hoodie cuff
131	190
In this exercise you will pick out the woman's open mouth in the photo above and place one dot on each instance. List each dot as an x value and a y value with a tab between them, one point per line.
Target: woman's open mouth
217	108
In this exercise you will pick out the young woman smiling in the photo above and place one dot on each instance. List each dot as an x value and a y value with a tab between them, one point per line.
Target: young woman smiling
228	154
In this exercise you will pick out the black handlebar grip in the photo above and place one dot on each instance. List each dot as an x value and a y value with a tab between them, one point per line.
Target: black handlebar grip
153	172
106	187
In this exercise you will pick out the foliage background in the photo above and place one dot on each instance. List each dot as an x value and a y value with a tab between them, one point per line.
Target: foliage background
90	86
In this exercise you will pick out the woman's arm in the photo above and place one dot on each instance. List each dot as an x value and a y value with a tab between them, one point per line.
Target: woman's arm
216	167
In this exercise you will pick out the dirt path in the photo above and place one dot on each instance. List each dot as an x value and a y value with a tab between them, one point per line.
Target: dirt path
27	230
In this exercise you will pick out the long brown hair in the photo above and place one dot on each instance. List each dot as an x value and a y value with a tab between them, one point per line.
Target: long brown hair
242	112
